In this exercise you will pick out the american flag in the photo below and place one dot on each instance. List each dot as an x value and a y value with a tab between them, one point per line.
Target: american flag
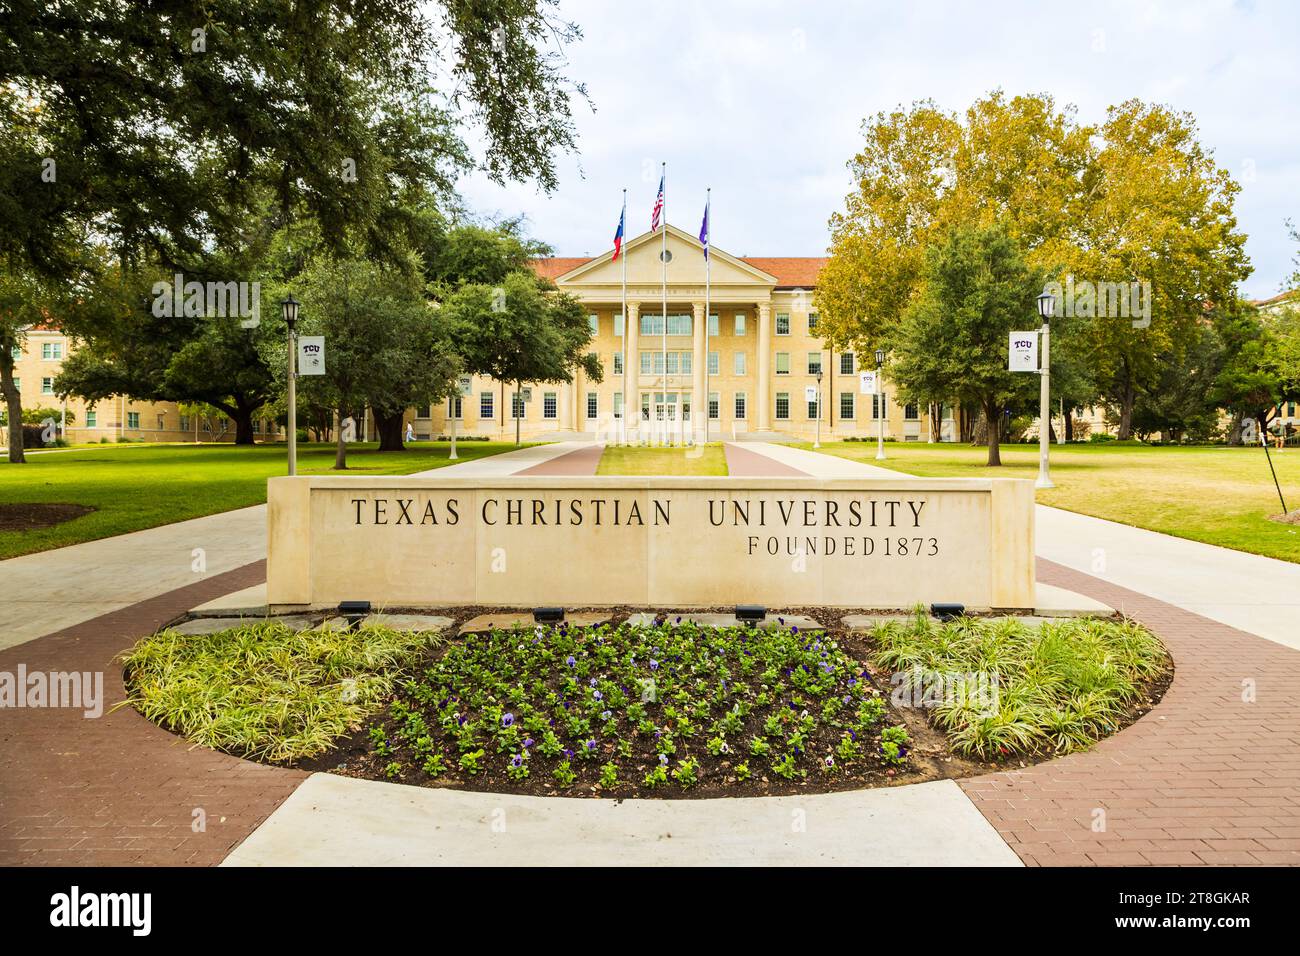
659	206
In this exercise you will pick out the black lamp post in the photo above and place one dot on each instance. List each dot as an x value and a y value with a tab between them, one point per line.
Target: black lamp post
818	442
880	390
289	309
1046	307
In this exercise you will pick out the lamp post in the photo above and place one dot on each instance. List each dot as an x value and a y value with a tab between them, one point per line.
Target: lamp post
1046	306
880	437
818	442
289	309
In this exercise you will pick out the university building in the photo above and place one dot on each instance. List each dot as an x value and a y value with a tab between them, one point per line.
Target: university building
761	353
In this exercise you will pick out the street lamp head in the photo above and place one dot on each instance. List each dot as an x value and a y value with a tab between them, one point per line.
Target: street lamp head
1046	305
818	376
880	357
289	309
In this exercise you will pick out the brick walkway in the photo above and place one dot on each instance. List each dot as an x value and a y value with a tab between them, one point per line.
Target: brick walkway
118	790
1205	778
584	461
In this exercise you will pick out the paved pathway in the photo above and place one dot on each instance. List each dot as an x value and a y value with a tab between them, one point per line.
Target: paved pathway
333	820
47	592
582	460
506	463
116	789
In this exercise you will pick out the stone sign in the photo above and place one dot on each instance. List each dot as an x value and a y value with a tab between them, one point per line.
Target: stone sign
657	542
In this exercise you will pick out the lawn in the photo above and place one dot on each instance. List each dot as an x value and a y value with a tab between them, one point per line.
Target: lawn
143	486
1218	495
699	460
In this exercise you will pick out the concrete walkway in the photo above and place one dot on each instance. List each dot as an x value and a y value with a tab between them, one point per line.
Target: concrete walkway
507	463
333	821
817	464
53	590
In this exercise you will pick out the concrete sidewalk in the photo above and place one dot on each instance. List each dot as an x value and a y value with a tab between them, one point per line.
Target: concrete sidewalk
341	821
507	463
53	590
819	465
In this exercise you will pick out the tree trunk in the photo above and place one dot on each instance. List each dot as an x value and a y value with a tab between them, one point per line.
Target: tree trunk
340	446
1069	424
1127	400
390	431
14	409
992	430
243	425
1234	429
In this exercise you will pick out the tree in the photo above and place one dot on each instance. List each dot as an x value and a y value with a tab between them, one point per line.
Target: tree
385	347
522	331
953	338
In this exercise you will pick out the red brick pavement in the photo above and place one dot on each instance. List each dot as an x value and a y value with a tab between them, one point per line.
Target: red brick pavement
1205	778
118	790
584	461
741	462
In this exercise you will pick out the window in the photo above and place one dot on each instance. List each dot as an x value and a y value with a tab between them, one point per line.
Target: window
782	406
652	325
550	405
783	323
618	404
713	325
680	325
485	404
846	363
739	405
454	408
814	363
677	324
162	424
1290	409
782	363
133	420
593	323
911	412
618	363
645	406
16	352
848	406
877	405
51	350
740	324
715	364
618	326
593	404
714	406
738	364
674	363
92	419
47	385
517	402
424	411
812	410
678	363
812	322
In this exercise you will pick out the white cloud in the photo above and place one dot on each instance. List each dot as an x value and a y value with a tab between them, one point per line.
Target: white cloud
763	102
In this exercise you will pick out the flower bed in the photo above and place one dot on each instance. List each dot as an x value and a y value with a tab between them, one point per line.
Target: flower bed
624	711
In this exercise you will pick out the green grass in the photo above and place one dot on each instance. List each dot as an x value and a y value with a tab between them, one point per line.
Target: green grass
706	460
265	691
143	486
1054	688
1217	495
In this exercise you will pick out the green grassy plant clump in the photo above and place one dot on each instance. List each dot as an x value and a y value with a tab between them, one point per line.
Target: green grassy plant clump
630	709
1058	687
265	691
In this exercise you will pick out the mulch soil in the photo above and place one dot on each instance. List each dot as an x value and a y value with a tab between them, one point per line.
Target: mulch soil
32	516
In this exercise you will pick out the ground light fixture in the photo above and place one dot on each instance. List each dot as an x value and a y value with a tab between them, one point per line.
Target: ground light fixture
354	612
947	612
548	615
751	614
1046	306
289	309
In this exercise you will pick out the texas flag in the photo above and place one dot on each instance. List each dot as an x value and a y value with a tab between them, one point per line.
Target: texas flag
618	236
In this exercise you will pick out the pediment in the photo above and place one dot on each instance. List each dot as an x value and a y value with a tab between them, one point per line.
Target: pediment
685	267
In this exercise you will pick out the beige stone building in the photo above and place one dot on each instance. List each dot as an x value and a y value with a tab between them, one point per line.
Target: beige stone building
754	360
36	366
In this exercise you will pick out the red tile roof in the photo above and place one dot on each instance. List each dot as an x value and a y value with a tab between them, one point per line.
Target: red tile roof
790	271
1281	297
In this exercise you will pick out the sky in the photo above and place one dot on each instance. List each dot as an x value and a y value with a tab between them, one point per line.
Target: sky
763	101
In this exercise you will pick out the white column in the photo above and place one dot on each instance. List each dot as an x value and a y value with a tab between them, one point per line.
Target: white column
764	397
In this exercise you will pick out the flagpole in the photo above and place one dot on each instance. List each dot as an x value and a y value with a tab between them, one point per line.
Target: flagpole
626	358
708	262
663	272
